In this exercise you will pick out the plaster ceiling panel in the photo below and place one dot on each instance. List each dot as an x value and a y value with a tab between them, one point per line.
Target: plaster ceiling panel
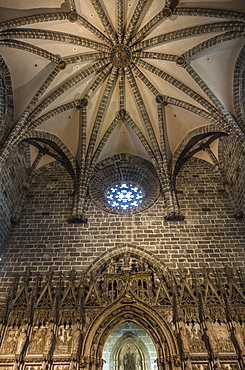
25	81
123	140
180	74
213	67
45	160
65	126
179	123
168	89
203	155
87	11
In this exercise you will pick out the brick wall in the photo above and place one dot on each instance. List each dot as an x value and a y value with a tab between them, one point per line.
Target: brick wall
209	236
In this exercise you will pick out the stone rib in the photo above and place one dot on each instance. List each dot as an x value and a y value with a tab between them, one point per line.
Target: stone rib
50	114
29	48
103	74
134	20
85	180
174	101
85	57
104	19
99	116
144	114
38	18
72	4
67	85
206	12
20	125
120	20
212	42
31	33
190	31
93	30
179	85
121	89
144	30
153	55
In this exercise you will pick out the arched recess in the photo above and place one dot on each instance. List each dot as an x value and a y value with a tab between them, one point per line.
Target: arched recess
118	251
129	310
129	346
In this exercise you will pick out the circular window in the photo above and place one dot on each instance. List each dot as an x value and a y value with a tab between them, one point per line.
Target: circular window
124	183
124	196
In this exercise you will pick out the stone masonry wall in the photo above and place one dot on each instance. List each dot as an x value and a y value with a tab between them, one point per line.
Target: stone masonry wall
12	178
209	237
233	157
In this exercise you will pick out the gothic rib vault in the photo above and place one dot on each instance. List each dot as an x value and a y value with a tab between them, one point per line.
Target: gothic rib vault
93	79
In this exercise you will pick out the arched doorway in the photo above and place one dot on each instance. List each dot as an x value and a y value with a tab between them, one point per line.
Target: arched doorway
129	347
125	288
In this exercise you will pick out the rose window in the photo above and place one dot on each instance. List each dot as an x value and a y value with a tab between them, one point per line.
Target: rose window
124	196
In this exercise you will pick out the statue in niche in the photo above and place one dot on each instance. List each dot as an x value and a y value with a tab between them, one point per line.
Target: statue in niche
196	343
10	342
111	267
129	360
126	261
184	339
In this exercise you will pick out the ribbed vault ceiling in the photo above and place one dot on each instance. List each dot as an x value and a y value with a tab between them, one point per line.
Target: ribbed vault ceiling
103	77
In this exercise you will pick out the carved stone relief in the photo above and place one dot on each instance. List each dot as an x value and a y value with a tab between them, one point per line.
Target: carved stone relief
222	338
37	340
194	336
63	340
9	345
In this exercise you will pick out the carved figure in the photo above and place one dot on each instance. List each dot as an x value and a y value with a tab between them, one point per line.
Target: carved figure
217	364
21	344
211	338
129	361
141	266
111	268
238	339
48	344
76	339
184	340
126	260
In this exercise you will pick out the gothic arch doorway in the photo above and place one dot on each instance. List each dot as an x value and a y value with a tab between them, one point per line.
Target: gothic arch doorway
127	287
129	347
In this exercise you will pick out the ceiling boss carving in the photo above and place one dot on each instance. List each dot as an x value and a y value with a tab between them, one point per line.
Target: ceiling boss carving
120	56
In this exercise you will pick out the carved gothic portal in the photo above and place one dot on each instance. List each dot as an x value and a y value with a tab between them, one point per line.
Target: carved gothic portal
126	312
